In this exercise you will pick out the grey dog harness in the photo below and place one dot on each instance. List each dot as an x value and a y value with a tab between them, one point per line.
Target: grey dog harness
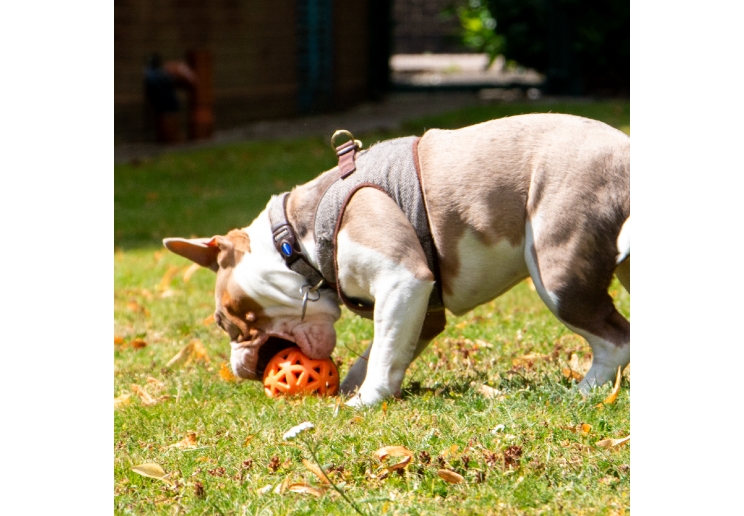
391	167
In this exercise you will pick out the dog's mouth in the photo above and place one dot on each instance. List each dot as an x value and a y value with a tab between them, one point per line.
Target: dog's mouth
268	349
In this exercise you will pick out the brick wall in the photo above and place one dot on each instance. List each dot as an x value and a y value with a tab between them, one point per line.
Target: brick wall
254	46
419	27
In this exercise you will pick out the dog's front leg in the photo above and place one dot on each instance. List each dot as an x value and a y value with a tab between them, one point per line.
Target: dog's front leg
433	326
380	260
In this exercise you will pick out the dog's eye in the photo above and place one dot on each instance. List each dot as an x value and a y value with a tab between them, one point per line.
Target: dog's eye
228	327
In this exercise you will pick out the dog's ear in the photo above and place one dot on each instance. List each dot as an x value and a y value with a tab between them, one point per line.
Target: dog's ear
203	251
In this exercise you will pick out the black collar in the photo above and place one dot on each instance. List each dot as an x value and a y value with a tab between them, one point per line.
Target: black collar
288	245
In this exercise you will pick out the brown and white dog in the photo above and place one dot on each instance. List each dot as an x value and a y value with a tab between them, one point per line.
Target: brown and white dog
543	195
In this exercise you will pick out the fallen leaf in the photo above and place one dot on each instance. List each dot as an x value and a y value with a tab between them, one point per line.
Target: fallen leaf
186	443
399	465
122	400
450	476
315	470
194	351
145	396
280	488
181	355
208	321
609	400
190	270
611	443
134	306
304	488
585	428
528	358
226	373
569	373
392	451
168	277
449	451
118	341
138	344
199	353
248	440
155	382
265	489
151	470
488	392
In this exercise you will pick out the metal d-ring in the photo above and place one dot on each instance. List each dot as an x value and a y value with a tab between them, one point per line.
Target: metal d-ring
306	290
344	132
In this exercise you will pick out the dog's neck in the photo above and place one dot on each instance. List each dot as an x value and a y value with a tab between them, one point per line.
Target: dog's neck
301	204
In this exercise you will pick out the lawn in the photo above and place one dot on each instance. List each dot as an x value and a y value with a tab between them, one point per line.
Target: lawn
526	443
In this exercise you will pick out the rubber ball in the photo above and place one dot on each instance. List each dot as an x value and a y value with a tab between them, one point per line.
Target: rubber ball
291	372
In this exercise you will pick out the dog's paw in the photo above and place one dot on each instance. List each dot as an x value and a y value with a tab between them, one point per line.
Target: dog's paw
366	398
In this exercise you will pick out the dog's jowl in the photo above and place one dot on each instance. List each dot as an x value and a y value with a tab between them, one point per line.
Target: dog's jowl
412	226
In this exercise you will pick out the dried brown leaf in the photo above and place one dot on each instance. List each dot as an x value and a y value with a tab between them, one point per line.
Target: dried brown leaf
190	270
182	355
187	443
168	277
137	344
118	341
488	392
151	470
145	396
611	443
399	465
226	373
569	373
209	320
450	476
122	400
155	382
528	359
134	306
281	488
585	428
315	470
609	400
194	351
392	451
303	488
198	353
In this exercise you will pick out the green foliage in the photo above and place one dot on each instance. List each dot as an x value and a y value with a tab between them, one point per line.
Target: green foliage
580	45
478	29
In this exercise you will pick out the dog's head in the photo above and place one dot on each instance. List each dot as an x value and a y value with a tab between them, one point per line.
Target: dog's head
258	299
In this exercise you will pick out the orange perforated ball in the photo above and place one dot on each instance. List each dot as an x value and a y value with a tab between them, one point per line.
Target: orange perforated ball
291	372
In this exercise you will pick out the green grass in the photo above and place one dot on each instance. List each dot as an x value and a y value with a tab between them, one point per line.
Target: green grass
441	415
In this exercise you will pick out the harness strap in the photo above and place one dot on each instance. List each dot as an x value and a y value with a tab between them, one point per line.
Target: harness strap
287	243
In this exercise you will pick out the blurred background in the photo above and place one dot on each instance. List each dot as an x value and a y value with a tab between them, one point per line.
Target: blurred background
191	71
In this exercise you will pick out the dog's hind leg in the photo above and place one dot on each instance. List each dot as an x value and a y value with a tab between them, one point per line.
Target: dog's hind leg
572	277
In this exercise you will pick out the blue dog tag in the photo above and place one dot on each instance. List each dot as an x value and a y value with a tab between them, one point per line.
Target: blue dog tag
286	249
